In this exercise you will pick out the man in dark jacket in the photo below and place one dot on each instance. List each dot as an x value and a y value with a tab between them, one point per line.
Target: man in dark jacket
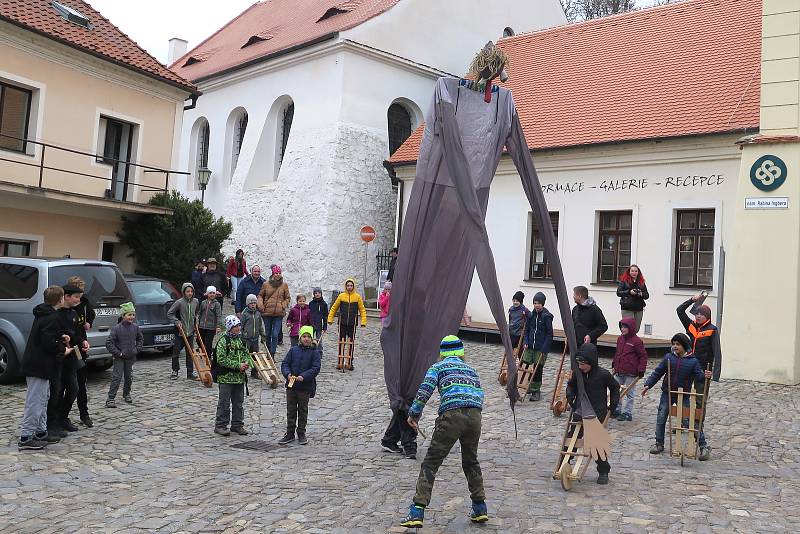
43	355
250	285
214	277
589	321
600	386
703	336
300	368
538	338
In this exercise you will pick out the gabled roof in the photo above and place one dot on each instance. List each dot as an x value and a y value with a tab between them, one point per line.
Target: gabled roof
101	39
271	27
684	69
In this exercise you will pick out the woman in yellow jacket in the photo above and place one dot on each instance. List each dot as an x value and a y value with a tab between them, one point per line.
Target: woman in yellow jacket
351	305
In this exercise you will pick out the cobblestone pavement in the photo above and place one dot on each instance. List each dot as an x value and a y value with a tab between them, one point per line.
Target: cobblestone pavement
157	466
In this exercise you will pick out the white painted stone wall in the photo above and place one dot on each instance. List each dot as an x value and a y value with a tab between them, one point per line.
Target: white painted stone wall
652	237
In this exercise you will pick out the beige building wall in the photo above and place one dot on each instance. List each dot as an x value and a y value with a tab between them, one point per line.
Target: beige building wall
762	306
71	90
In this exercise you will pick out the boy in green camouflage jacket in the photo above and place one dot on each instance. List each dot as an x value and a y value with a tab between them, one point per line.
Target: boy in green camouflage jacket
233	361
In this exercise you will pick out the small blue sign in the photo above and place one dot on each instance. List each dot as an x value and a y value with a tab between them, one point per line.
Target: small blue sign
768	173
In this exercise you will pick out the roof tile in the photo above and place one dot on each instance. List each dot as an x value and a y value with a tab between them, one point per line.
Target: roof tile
690	68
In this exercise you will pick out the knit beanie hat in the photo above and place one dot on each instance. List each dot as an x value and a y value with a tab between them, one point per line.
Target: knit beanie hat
315	290
703	310
387	284
211	289
231	321
451	346
683	339
539	297
250	298
306	330
70	289
276	269
126	308
186	285
519	295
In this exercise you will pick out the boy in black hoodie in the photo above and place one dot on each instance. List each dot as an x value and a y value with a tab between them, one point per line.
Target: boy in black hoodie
44	352
600	385
588	318
538	338
64	387
86	317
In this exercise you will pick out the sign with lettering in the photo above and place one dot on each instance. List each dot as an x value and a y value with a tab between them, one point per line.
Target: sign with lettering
613	185
766	203
768	173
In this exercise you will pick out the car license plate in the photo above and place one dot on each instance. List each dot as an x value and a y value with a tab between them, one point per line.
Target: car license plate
164	338
106	312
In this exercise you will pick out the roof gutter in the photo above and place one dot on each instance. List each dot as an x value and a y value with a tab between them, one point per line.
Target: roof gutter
188	88
261	59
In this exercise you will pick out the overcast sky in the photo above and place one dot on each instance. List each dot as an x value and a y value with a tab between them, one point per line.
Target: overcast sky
151	23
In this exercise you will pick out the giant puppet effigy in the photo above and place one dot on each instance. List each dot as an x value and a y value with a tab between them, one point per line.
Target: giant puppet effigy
444	236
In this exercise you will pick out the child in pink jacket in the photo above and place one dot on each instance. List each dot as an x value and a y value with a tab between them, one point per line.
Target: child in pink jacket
299	315
384	301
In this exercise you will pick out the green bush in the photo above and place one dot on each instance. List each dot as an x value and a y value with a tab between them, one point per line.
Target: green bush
168	246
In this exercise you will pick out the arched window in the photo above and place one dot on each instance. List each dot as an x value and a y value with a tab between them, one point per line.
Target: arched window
399	126
239	127
509	32
201	149
285	127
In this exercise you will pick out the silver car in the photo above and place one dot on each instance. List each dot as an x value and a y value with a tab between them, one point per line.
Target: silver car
22	283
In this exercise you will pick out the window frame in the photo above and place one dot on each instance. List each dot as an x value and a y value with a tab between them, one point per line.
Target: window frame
237	139
285	132
696	233
555	220
394	126
4	243
29	92
203	134
618	232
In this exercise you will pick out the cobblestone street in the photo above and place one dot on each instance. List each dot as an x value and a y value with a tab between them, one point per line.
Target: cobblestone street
156	465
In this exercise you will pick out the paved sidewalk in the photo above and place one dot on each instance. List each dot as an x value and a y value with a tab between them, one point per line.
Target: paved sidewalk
156	465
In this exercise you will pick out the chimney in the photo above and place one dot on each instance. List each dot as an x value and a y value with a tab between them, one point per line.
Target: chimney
177	48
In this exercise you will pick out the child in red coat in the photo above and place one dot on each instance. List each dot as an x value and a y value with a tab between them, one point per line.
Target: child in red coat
385	301
629	364
299	316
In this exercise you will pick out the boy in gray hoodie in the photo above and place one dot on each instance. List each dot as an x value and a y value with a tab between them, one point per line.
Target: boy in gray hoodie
124	343
184	311
252	327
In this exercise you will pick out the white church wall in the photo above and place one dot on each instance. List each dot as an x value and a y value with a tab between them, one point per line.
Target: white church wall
446	33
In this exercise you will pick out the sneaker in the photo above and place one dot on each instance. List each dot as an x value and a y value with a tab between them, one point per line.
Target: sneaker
622	417
31	444
705	454
128	399
302	439
286	439
415	517
174	375
602	478
47	438
628	417
239	430
87	421
192	376
222	431
111	403
67	425
479	512
658	448
391	447
411	455
57	432
536	396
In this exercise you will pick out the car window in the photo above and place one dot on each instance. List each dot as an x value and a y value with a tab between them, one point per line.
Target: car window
18	281
104	284
169	288
152	291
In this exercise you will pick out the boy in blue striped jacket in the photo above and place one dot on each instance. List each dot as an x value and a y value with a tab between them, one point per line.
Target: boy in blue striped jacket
459	420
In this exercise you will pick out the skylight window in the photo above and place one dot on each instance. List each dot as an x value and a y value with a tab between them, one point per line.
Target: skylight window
72	15
332	12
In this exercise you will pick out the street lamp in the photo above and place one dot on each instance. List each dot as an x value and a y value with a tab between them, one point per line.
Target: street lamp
203	176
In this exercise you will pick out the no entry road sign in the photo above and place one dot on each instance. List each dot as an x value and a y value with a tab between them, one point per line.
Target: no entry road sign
367	233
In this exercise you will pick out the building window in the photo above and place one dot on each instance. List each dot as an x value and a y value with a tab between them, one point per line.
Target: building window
238	137
201	159
14	248
15	109
694	248
614	245
18	282
538	264
399	126
286	127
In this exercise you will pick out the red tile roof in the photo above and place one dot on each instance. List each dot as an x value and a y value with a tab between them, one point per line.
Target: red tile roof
272	27
690	68
102	40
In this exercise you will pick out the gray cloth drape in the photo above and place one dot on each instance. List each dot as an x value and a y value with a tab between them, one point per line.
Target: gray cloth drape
445	238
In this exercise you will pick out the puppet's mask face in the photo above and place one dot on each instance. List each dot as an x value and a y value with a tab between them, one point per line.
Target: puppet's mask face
488	64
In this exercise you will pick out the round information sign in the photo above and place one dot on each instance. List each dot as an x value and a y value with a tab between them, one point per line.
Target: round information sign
367	233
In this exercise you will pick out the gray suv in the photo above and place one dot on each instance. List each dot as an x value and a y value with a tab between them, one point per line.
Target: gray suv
22	282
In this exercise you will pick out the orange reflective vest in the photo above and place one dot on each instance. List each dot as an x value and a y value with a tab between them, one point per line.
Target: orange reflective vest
697	333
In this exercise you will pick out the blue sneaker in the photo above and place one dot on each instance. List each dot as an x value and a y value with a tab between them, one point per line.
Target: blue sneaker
416	514
479	512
